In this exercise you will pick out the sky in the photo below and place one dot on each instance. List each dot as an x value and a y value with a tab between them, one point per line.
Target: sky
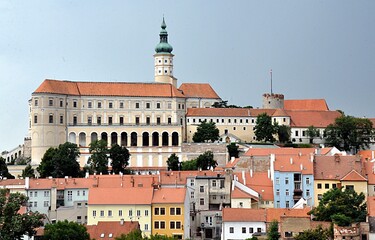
316	49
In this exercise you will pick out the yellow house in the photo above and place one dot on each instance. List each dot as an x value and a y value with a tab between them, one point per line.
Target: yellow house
338	171
116	204
170	213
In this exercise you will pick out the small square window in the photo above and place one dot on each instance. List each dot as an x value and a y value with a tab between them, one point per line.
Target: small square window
231	230
137	105
110	104
121	104
319	186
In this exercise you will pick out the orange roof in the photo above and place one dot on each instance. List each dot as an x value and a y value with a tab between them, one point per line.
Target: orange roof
371	206
335	167
231	164
120	196
285	163
238	193
306	104
111	227
125	181
244	215
278	151
279	113
353	176
366	158
169	195
108	89
13	182
318	119
61	183
277	213
259	182
227	112
198	90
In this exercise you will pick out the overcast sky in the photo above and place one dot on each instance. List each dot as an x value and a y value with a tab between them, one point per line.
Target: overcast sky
316	49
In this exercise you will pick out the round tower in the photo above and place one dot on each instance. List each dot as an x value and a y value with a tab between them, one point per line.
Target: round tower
273	101
163	59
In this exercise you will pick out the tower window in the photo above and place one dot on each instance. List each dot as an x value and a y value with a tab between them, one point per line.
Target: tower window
165	60
165	71
137	105
159	61
50	119
121	104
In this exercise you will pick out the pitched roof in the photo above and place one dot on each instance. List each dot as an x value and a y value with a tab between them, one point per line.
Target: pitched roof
367	160
169	195
300	163
306	104
103	229
198	90
279	151
179	177
353	176
108	89
120	196
259	182
244	215
12	182
280	113
335	167
61	183
277	213
227	112
371	206
238	193
318	119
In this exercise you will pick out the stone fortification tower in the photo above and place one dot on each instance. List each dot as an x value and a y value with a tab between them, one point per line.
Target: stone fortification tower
273	101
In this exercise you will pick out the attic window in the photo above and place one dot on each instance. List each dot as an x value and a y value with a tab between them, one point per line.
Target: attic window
110	235
102	235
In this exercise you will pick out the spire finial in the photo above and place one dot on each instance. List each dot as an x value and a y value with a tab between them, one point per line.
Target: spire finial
163	25
163	46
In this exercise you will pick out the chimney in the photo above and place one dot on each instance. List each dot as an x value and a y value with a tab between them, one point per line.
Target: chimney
87	174
269	173
251	172
311	157
27	182
301	167
232	159
121	221
243	177
291	160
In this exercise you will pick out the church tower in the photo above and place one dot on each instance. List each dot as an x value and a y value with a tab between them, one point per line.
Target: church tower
163	59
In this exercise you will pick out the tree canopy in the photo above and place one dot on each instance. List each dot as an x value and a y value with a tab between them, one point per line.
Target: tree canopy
273	231
349	133
4	173
65	230
13	224
283	133
206	131
137	235
342	207
206	160
60	162
233	150
98	160
120	158
28	172
173	162
265	129
312	133
318	233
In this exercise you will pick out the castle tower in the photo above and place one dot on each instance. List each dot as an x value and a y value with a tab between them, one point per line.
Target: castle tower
164	59
273	101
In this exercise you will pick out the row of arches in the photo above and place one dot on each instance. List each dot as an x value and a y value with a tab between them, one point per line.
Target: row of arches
128	140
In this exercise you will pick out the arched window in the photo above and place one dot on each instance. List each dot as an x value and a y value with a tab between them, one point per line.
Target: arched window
133	139
94	137
145	139
104	136
82	139
175	139
164	137
155	139
113	138
124	139
72	137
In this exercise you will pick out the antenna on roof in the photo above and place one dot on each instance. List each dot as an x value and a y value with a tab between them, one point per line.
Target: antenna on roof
271	80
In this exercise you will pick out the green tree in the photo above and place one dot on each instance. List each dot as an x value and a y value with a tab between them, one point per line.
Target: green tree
61	161
312	133
283	133
28	172
189	165
318	233
342	207
206	131
273	231
233	150
173	162
64	230
265	129
206	160
120	158
13	224
4	173
99	159
349	133
133	235
222	104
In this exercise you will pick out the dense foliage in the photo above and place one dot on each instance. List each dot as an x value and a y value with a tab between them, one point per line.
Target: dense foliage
28	172
233	150
98	160
204	162
342	207
312	133
173	162
4	173
273	231
283	133
60	162
13	224
349	133
137	235
206	132
64	230
120	158
265	129
318	233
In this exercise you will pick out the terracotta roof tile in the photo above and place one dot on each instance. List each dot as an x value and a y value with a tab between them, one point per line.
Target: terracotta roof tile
299	163
353	176
318	119
306	104
12	182
198	90
121	196
227	112
244	215
169	195
109	89
103	229
279	151
61	183
259	182
280	113
371	206
277	213
367	160
238	193
335	167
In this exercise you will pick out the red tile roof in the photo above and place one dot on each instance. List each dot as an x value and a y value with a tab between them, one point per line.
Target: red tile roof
259	182
108	89
238	193
61	183
198	90
120	196
12	182
335	167
277	213
318	119
284	163
366	158
112	227
280	113
169	195
227	112
279	151
353	176
306	104
244	215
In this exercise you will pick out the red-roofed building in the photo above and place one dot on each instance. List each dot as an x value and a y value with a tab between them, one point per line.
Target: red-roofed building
111	229
306	105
